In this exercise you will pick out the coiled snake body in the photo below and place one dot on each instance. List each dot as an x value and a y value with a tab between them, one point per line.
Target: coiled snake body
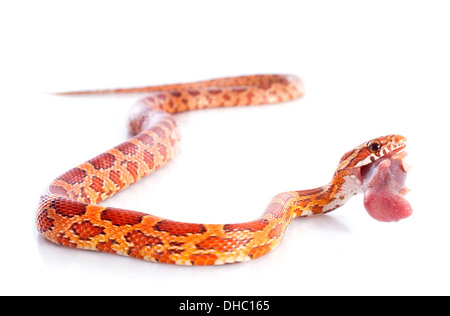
68	213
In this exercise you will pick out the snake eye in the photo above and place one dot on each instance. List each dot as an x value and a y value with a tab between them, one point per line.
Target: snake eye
374	146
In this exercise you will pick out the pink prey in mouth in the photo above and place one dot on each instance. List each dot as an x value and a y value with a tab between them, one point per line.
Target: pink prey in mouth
380	170
384	190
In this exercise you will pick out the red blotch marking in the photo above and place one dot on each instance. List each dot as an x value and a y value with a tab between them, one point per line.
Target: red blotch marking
250	226
202	260
176	243
194	92
161	96
132	168
97	184
145	139
222	244
164	256
68	208
73	176
115	177
170	105
65	241
119	217
149	160
140	240
215	91
266	86
103	161
43	222
179	228
106	246
316	209
85	195
128	148
276	231
85	230
239	90
176	94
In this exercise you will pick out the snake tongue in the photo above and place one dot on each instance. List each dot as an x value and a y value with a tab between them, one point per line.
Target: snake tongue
383	186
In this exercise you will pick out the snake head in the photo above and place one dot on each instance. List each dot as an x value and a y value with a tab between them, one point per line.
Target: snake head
377	169
371	151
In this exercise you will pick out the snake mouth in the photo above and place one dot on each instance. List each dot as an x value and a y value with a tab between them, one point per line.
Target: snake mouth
383	183
398	154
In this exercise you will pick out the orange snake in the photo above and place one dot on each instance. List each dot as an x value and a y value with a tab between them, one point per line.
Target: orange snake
68	213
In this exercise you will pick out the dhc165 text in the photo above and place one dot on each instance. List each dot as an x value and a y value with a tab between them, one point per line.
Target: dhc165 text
225	306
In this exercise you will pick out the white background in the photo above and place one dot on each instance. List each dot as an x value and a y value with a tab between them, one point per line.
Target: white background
369	68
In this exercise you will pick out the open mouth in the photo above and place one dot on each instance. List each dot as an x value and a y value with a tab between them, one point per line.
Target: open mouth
399	154
384	186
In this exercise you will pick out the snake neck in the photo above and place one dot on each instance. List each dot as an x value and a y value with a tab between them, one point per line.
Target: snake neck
327	198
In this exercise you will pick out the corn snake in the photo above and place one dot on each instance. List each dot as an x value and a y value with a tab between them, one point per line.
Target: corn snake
68	213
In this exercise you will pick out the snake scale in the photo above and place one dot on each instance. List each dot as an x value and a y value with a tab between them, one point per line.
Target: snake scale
68	213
